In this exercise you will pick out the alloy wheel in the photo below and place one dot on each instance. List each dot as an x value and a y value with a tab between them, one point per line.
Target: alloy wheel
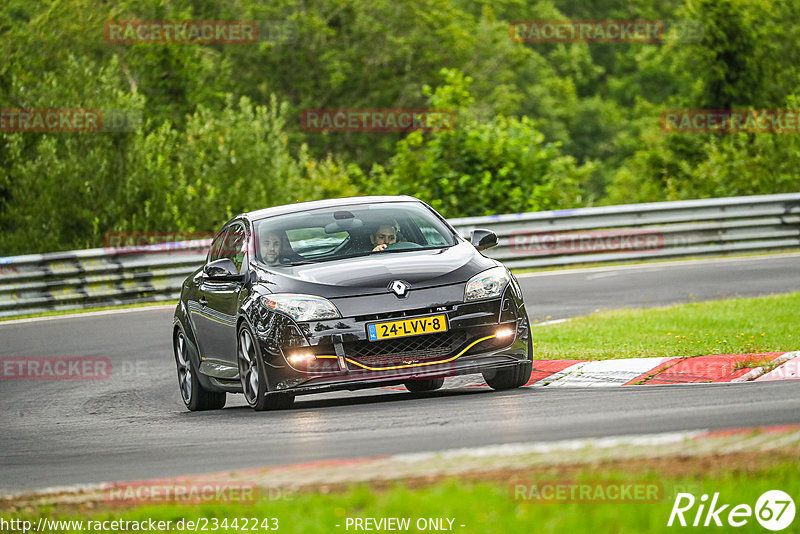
248	366
184	369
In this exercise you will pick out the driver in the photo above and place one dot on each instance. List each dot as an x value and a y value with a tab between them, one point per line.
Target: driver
382	237
271	248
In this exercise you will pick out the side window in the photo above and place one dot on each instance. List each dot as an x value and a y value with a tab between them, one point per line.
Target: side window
234	247
216	250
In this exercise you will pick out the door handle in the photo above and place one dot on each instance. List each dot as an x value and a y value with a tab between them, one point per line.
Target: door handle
203	302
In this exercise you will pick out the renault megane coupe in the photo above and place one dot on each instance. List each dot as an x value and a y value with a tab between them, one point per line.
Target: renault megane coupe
346	294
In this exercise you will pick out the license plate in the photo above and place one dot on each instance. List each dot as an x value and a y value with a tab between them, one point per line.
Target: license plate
407	327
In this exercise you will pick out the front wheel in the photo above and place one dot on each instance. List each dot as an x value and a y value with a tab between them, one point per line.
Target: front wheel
512	377
194	395
418	386
253	375
509	378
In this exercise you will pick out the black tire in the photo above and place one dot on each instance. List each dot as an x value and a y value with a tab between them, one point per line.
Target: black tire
511	377
194	395
418	386
253	375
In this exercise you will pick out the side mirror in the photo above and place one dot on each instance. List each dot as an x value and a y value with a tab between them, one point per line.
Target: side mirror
223	269
482	239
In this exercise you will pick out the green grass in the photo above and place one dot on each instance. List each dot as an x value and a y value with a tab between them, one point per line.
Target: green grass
88	310
735	326
490	506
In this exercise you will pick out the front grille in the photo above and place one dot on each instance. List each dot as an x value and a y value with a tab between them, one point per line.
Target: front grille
430	347
427	347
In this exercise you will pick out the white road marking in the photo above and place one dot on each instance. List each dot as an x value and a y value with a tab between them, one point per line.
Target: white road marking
658	265
788	370
554	321
82	492
575	367
758	371
595	276
87	314
514	449
603	373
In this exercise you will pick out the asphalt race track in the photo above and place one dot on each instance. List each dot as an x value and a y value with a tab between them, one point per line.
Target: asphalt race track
133	425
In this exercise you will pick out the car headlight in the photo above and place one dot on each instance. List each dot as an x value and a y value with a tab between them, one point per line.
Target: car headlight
302	307
488	284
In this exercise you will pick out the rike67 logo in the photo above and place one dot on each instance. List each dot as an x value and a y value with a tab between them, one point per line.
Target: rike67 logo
774	510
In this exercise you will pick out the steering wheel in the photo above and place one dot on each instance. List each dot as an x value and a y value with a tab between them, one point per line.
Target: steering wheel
403	245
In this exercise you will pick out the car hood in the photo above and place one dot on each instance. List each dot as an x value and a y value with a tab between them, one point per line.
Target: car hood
372	274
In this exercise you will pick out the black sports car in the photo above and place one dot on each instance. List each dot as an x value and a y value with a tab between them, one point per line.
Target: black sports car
346	294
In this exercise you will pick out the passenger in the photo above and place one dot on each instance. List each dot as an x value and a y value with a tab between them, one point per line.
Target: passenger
382	237
271	248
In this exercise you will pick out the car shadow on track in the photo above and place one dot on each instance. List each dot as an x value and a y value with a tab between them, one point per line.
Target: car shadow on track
396	396
236	404
353	399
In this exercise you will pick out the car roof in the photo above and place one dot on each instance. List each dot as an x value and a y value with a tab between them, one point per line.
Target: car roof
328	203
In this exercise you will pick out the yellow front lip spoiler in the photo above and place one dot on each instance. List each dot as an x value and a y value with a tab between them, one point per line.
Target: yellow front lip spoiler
438	362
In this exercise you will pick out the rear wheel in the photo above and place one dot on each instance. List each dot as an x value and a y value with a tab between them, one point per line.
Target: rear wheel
194	395
417	386
253	375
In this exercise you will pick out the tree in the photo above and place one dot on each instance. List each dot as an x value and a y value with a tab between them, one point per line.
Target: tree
481	167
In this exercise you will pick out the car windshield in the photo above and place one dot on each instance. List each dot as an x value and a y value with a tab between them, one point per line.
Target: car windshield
349	231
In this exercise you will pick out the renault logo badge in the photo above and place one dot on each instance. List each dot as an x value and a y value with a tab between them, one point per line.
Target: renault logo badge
399	288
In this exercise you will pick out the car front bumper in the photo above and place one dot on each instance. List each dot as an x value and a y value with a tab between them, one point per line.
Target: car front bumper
339	355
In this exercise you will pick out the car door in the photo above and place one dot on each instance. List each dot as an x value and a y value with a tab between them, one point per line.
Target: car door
218	300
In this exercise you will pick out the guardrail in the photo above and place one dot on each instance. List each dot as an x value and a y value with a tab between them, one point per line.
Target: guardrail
633	232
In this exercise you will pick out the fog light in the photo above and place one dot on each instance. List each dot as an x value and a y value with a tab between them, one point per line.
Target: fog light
504	333
300	357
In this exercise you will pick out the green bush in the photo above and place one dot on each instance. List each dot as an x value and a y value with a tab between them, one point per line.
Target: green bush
69	189
480	167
